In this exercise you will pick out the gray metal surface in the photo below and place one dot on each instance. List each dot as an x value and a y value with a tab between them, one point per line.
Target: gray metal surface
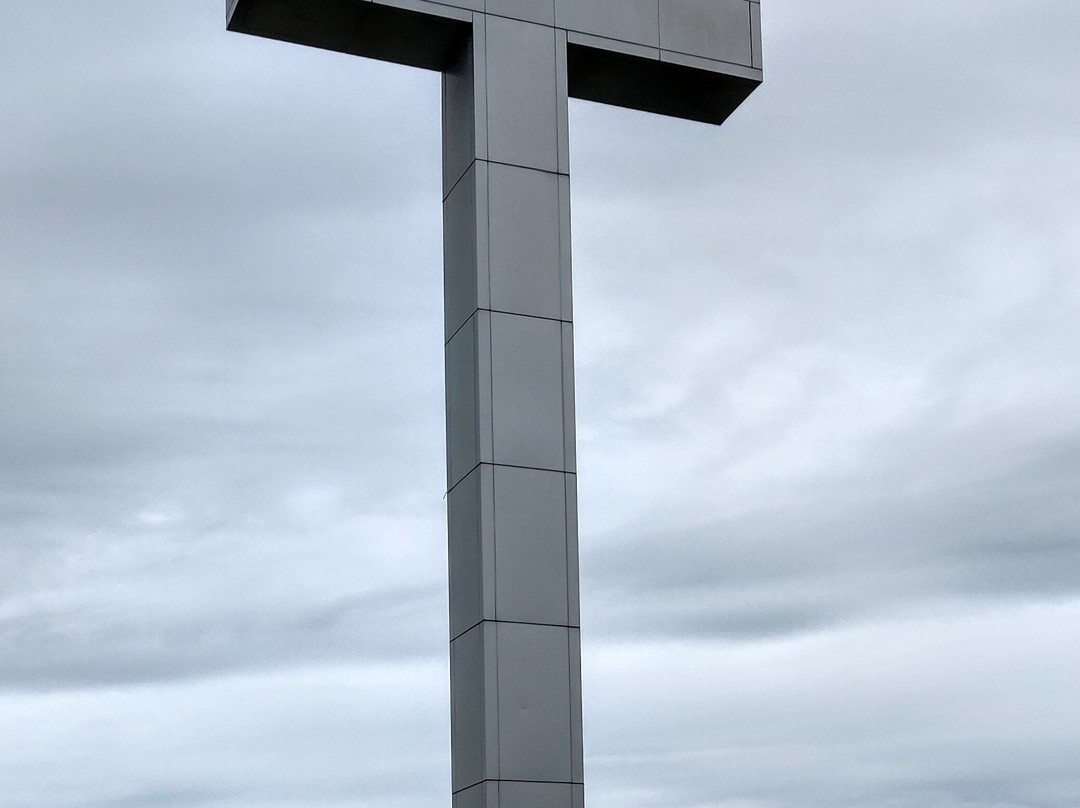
509	67
530	546
630	53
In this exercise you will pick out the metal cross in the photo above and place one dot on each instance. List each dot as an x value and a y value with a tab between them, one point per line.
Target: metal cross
508	68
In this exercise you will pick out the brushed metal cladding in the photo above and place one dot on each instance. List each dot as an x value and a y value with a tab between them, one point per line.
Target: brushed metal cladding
527	392
512	699
530	795
534	691
469	702
464	238
661	87
513	545
712	29
482	795
755	35
634	21
468	562
463	439
475	797
522	106
429	35
538	11
463	112
506	244
569	407
573	591
506	153
577	740
531	565
578	792
525	241
599	68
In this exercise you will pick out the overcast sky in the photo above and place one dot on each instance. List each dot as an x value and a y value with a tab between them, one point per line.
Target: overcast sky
829	420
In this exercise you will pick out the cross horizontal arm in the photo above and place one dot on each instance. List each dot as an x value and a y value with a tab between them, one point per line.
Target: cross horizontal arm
694	59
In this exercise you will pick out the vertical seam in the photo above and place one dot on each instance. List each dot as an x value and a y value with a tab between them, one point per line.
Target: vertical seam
750	28
570	696
487	95
566	544
491	382
495	542
498	704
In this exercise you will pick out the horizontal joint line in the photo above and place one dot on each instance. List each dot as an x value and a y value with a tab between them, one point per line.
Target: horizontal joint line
507	780
479	309
476	160
512	623
466	475
457	182
556	172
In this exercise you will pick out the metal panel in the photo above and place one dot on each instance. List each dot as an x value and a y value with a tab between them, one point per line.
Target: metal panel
714	29
566	259
464	227
578	792
462	422
525	243
468	708
573	589
530	546
569	404
527	392
694	93
755	34
435	35
466	557
577	741
540	11
562	106
484	395
535	795
699	65
473	797
492	754
425	34
534	703
522	107
630	20
464	131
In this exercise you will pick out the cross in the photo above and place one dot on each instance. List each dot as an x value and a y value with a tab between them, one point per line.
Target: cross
508	68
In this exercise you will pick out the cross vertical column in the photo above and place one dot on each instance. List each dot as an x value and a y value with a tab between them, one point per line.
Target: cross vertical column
508	67
512	502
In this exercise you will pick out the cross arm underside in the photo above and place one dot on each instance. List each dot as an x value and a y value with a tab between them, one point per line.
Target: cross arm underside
694	59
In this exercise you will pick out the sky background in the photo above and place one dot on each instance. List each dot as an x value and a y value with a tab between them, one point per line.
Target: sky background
828	401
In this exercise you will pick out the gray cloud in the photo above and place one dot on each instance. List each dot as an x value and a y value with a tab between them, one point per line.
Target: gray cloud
869	553
102	644
827	398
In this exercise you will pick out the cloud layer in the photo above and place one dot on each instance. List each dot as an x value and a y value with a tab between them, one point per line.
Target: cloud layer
829	421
